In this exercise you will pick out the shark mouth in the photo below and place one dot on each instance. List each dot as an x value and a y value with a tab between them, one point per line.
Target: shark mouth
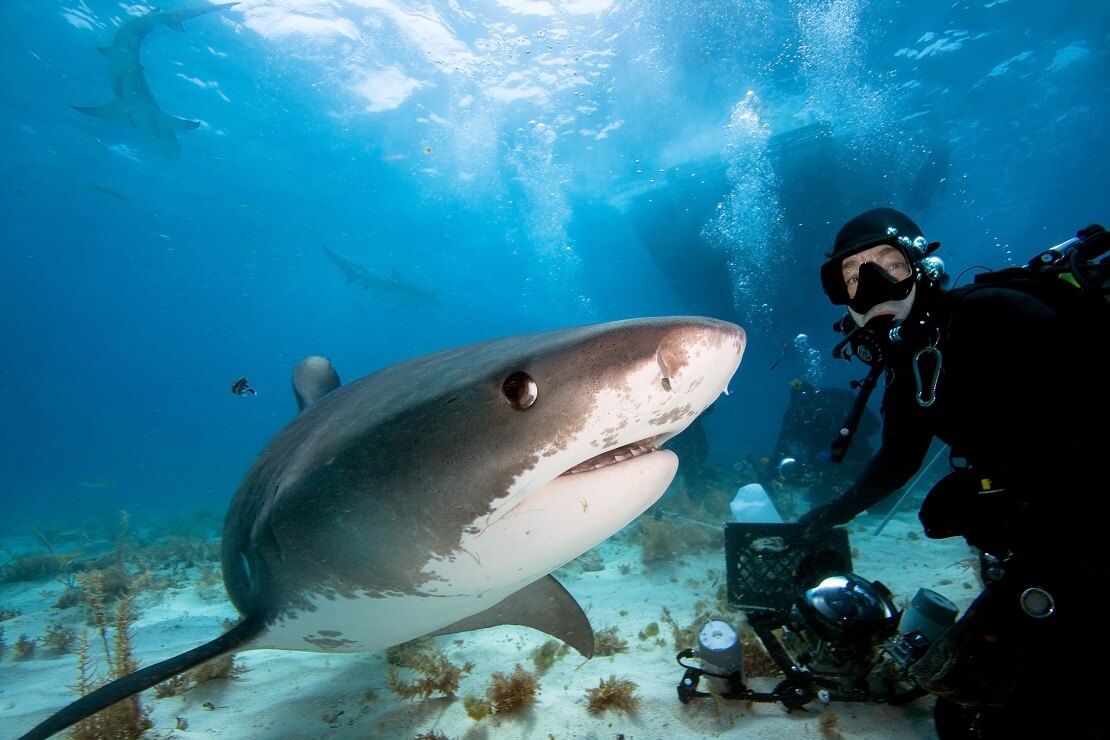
616	455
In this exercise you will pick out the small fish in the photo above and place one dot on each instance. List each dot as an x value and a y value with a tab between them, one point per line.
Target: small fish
241	386
95	481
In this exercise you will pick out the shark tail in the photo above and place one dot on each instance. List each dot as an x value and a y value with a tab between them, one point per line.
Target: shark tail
144	678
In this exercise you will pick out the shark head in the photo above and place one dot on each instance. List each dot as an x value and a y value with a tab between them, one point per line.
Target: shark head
416	497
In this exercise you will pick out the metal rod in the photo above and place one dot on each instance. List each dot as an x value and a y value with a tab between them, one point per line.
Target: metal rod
894	509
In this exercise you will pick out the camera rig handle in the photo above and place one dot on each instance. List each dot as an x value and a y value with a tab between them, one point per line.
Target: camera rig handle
848	429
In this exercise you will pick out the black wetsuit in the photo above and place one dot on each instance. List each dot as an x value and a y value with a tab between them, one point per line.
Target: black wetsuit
1021	396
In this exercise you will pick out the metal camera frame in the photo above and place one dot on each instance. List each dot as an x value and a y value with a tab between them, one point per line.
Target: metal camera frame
763	563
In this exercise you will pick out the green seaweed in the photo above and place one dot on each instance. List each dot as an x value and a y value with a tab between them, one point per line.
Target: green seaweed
545	655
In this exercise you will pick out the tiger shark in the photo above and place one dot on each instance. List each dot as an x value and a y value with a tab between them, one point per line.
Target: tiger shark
437	495
393	288
133	103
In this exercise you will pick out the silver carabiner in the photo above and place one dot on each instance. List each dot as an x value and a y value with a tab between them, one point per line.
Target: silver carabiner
927	396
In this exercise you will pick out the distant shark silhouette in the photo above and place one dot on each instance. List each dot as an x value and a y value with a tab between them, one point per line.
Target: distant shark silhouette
393	288
134	104
930	178
436	496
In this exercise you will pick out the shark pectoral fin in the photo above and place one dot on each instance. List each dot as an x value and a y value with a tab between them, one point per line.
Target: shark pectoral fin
114	111
545	606
181	124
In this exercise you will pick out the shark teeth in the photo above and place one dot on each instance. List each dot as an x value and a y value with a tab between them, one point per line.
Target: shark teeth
612	457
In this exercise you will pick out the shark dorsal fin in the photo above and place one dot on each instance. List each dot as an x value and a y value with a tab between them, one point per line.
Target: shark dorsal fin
313	378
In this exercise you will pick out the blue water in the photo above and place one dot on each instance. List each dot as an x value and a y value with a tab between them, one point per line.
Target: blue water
534	164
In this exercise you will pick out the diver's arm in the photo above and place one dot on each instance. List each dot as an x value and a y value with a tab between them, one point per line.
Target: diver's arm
904	446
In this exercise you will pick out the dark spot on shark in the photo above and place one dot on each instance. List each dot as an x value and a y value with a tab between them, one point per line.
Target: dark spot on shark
328	641
673	415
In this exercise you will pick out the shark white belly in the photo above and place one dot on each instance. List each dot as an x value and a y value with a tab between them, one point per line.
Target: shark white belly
572	514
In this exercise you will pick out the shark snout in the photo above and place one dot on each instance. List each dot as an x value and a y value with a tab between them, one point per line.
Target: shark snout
697	360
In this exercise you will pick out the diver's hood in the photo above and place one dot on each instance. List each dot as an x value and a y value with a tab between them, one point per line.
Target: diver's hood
870	229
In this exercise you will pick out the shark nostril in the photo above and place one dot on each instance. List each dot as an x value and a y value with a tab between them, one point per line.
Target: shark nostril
520	390
665	370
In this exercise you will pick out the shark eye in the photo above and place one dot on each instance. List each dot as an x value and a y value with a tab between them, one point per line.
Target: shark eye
520	390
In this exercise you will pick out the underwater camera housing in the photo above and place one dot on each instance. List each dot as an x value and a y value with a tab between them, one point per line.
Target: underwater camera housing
834	635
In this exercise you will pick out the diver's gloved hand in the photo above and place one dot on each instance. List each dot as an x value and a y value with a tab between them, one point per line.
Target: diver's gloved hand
816	522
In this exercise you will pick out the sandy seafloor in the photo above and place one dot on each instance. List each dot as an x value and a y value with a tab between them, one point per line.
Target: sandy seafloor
309	695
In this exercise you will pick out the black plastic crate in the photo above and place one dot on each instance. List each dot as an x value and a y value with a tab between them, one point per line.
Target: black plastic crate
763	561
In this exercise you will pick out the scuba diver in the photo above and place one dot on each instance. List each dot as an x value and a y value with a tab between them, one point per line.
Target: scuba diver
801	456
1008	373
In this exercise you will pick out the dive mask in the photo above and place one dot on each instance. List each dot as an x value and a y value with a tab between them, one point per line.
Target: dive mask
875	285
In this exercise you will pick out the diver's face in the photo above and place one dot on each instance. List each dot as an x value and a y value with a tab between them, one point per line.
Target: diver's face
892	262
